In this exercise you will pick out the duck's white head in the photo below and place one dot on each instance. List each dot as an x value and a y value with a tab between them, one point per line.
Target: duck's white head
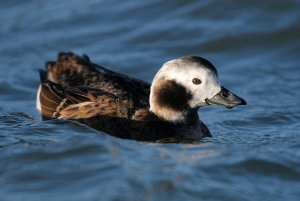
183	85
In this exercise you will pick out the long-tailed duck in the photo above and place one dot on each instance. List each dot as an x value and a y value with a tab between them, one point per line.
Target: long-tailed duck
77	89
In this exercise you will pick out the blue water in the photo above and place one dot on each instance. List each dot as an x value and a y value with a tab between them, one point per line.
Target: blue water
254	153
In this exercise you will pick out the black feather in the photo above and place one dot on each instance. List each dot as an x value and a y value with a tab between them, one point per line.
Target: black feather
43	75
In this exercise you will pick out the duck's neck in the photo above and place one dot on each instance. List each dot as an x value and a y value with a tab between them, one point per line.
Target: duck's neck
190	117
170	115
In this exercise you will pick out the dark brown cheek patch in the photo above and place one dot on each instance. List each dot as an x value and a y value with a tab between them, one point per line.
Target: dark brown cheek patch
173	95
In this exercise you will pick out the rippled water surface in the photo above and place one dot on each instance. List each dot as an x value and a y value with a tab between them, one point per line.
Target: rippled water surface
254	152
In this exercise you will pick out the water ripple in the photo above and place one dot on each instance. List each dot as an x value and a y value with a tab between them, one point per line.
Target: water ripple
254	152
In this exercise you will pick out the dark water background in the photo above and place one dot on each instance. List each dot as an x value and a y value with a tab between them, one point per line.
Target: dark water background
254	153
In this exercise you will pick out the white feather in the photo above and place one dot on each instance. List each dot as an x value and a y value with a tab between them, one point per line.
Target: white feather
38	102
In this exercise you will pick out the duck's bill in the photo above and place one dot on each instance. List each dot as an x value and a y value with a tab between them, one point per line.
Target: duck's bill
225	98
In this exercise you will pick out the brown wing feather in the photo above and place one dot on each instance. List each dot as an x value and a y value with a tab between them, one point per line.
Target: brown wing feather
143	114
81	103
70	70
51	99
99	103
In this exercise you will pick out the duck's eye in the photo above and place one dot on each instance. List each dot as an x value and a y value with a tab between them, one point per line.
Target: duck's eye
197	81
